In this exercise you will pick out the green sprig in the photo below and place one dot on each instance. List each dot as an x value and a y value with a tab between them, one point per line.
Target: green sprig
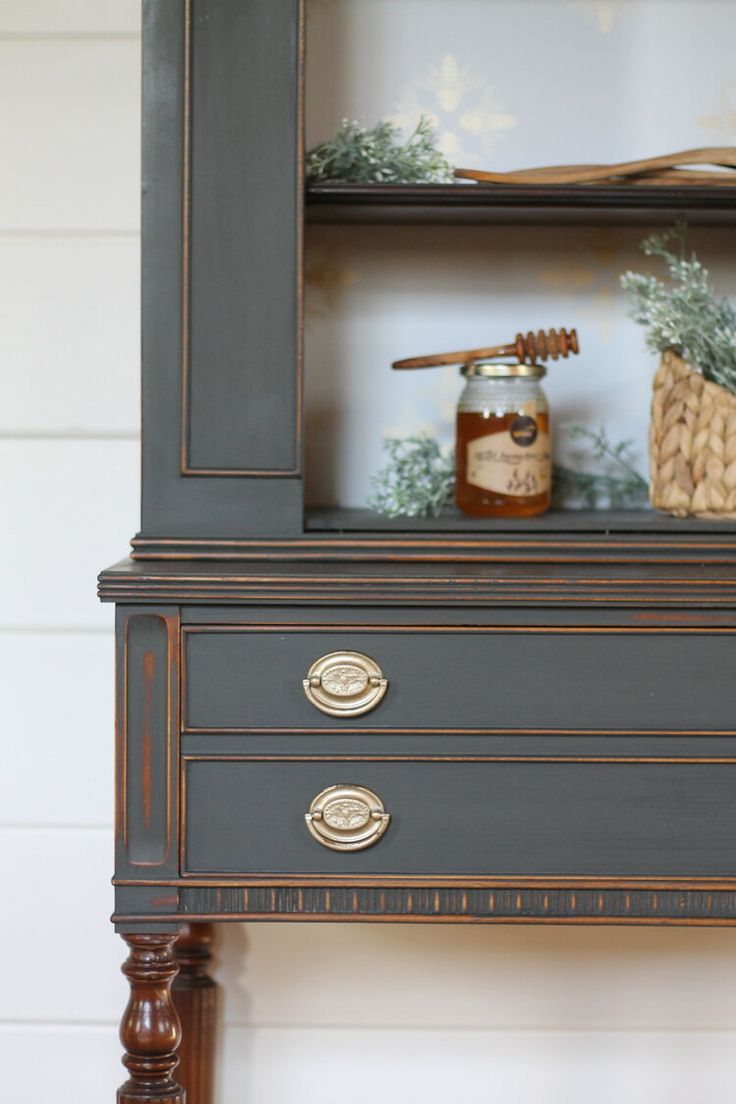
378	156
684	315
417	480
617	485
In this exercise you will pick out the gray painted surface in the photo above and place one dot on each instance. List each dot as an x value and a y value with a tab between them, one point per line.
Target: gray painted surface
244	230
470	818
243	259
534	680
450	745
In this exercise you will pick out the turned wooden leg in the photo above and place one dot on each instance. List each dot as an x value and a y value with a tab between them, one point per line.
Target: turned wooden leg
150	1030
195	998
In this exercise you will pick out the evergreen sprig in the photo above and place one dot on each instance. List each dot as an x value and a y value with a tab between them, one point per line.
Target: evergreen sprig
617	485
378	156
417	480
685	315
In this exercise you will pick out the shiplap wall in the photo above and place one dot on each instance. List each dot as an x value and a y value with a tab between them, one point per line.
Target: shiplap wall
334	1012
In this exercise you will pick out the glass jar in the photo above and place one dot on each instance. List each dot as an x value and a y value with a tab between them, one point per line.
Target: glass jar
503	454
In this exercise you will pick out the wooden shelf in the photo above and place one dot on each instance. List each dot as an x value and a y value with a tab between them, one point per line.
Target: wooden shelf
451	520
551	205
345	535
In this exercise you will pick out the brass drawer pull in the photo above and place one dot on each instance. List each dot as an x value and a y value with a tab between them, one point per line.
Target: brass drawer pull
345	684
347	818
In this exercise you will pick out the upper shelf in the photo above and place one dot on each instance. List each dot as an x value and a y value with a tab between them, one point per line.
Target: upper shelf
549	205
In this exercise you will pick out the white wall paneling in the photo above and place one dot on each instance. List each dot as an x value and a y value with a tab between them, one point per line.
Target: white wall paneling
71	360
279	1067
70	17
79	498
56	691
59	880
273	1067
71	1062
70	134
69	183
501	978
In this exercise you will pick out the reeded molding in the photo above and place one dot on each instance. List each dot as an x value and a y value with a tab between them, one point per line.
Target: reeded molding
625	903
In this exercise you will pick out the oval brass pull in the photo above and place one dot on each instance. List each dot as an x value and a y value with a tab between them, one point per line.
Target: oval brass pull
347	818
345	684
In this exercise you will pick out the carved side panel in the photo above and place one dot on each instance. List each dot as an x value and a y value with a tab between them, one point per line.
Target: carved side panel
241	382
147	741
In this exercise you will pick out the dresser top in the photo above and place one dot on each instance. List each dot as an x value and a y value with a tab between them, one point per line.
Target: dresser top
698	577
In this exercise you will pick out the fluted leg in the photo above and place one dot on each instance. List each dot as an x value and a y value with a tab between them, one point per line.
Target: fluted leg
195	998
150	1030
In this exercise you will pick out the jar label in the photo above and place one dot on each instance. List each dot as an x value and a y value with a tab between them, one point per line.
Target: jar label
515	461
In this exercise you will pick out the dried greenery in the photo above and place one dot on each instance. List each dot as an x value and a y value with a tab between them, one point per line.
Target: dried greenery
685	315
378	156
417	480
615	485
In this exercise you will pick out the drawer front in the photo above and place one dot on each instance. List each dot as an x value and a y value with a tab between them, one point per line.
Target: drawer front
603	819
448	678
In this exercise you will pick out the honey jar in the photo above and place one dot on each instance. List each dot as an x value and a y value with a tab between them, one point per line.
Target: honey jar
504	466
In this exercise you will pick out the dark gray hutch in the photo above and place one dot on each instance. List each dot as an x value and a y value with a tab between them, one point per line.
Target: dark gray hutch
328	716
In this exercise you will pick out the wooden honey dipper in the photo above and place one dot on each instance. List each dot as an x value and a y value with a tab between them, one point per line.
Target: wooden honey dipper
527	349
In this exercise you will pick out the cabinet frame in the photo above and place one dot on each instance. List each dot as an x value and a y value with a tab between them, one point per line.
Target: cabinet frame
222	329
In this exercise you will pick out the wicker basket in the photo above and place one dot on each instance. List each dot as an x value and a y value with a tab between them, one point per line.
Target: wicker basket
692	443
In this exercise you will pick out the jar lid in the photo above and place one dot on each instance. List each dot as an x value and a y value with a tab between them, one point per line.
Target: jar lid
502	371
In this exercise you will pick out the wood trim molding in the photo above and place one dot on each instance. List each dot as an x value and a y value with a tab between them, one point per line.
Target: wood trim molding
628	903
464	585
521	547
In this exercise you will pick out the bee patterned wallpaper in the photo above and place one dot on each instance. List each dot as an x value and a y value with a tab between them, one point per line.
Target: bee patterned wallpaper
507	84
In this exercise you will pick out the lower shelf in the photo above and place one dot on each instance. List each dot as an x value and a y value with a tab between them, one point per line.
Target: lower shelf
451	520
558	536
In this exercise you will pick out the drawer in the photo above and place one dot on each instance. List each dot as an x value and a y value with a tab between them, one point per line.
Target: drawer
441	677
245	817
